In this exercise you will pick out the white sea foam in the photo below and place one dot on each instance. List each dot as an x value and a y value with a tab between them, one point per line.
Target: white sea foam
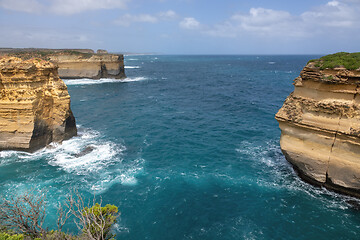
131	67
87	161
283	177
86	81
271	62
135	79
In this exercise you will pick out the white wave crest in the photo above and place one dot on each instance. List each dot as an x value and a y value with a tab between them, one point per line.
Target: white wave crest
131	67
135	79
87	81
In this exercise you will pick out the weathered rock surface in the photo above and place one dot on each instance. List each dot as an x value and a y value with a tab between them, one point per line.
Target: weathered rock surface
320	128
34	105
94	66
76	63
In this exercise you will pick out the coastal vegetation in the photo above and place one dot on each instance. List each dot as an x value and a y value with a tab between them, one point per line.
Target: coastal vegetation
23	217
350	61
46	54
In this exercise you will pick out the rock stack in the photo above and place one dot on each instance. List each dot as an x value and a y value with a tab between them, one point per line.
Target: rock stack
320	127
34	105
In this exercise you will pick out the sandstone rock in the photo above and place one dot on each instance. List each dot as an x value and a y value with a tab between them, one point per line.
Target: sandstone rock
34	105
75	63
101	51
320	128
94	66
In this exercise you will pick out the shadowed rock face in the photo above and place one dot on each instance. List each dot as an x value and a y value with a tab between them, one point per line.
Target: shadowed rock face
34	105
320	128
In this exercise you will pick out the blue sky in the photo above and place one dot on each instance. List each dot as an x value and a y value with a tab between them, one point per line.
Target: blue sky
184	26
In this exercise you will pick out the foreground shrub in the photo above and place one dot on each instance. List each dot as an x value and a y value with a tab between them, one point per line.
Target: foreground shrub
25	214
7	236
94	220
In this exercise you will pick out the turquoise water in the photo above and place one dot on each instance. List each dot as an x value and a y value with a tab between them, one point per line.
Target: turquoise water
188	148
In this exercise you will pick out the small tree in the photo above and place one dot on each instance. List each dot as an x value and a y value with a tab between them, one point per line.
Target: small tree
25	213
94	220
100	220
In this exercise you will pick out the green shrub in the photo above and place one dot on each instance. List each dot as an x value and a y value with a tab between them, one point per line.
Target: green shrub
7	236
350	61
101	219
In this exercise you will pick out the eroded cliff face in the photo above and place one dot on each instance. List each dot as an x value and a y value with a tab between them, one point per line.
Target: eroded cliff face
94	66
75	63
34	105
320	128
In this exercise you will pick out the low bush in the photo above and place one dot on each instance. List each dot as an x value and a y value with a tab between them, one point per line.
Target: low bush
350	61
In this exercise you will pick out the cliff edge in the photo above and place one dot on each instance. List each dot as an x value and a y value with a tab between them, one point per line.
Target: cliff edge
76	63
34	105
320	123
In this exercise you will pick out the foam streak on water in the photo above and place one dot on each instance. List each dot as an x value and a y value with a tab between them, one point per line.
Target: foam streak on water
131	67
86	81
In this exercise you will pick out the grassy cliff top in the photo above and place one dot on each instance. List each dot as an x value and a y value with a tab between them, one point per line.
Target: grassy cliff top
45	54
350	61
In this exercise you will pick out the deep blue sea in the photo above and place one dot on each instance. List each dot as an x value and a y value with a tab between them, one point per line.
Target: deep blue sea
188	148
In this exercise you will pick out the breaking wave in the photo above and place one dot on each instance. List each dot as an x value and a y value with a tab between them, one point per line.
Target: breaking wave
86	81
131	67
87	162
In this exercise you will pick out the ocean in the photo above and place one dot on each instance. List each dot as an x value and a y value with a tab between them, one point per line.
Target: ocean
188	148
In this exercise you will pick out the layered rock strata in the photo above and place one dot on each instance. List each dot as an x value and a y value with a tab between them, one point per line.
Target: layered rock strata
320	128
34	105
76	63
94	66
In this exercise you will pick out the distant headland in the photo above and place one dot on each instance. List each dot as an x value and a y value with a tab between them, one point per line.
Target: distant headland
75	63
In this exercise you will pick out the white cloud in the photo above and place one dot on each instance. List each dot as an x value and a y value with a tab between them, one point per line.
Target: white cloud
62	7
168	15
263	20
29	6
77	6
334	17
127	19
190	23
333	3
334	14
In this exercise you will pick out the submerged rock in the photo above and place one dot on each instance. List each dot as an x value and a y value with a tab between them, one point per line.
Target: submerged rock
320	127
34	105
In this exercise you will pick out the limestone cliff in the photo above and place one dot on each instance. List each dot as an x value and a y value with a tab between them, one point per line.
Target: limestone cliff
76	63
320	127
34	105
95	66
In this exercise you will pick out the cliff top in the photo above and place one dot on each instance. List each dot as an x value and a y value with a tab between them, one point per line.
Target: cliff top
44	53
350	61
8	63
